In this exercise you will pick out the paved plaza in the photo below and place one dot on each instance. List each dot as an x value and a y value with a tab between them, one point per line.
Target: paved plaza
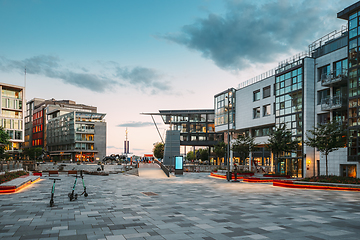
193	206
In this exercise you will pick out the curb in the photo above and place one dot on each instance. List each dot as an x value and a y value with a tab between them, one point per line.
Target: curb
12	187
292	184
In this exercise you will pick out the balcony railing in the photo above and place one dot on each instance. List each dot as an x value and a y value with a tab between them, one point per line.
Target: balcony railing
335	102
336	76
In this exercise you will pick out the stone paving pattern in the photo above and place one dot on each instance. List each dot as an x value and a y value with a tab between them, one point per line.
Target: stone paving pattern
193	206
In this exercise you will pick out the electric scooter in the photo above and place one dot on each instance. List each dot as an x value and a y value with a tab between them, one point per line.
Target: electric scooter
72	195
82	177
53	191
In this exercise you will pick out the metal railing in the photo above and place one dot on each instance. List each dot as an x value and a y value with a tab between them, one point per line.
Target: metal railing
335	76
333	103
258	78
165	169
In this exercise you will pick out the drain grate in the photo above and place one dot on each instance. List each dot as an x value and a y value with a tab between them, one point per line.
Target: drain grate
149	193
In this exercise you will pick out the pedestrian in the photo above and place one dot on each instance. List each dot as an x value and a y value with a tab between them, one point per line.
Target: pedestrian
235	171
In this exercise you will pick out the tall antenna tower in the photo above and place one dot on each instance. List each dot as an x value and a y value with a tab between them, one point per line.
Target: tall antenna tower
126	143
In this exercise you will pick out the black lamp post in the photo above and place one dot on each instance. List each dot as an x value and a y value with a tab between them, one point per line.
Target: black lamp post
228	137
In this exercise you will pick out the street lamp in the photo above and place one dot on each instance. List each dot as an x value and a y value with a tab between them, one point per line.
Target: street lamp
228	176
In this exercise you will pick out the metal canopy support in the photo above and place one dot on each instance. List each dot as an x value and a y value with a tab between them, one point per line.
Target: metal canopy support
157	129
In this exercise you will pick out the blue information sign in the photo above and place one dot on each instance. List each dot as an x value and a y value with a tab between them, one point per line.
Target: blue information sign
179	163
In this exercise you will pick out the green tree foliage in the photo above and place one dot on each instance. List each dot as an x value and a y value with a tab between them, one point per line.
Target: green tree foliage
280	140
4	140
220	149
158	150
243	146
327	138
190	155
33	153
203	154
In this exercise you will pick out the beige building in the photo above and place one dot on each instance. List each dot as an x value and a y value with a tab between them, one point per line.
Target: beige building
12	116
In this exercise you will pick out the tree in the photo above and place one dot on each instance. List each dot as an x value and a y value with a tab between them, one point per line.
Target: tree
190	155
4	140
280	140
158	150
243	146
327	138
220	149
33	152
203	154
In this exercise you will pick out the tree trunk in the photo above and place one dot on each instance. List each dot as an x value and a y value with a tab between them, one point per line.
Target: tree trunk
326	163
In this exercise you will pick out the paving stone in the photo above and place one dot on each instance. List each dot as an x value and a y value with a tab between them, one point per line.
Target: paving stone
193	206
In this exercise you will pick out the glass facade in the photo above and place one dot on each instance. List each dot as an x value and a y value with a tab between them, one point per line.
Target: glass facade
196	127
225	102
288	111
11	118
354	87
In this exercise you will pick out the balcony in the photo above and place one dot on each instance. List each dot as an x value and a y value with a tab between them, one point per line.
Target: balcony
334	77
335	102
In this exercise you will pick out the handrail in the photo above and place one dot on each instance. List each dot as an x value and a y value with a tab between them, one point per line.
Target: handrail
165	170
327	78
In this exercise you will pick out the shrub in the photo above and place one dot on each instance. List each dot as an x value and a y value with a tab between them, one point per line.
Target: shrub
11	175
333	179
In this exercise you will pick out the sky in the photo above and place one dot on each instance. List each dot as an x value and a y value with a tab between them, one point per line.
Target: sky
130	57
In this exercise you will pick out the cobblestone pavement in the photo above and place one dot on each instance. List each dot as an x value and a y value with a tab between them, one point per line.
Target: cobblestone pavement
193	206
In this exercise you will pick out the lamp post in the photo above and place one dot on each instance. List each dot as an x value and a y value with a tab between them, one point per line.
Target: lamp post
228	176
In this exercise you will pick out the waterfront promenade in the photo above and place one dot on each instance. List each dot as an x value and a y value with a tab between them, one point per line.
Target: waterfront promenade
192	206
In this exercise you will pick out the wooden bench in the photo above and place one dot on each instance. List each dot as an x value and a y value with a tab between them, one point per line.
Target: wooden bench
72	172
53	172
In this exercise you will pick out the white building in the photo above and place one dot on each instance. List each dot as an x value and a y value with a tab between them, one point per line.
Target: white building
310	88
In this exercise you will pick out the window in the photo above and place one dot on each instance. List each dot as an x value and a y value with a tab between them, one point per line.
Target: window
256	95
267	110
274	108
323	118
340	68
324	94
324	72
266	131
266	91
257	133
256	112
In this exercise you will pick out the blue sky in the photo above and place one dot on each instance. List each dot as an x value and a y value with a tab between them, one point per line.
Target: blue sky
128	57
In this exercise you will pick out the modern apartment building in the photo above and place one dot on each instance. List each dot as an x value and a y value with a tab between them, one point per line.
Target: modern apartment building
80	136
12	118
50	124
309	88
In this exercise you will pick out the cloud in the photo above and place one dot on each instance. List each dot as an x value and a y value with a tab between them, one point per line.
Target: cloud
259	31
113	147
136	124
143	78
50	66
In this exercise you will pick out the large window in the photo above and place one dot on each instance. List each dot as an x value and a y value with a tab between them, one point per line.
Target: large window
256	95
267	110
324	72
324	94
323	118
266	91
256	112
340	68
